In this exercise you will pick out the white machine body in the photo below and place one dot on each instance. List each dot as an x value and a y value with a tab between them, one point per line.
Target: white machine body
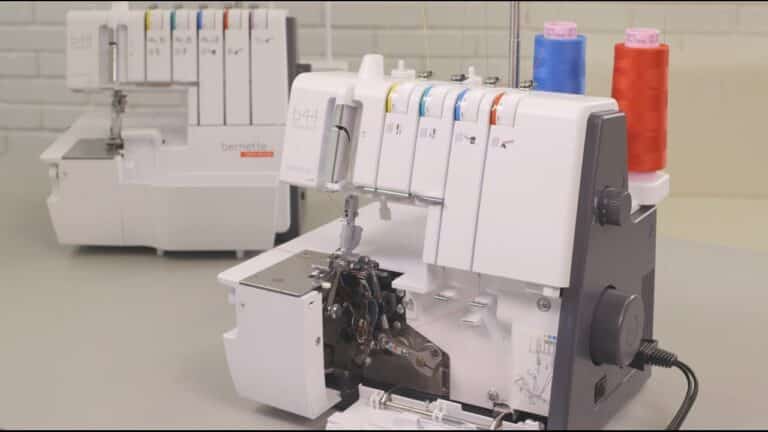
464	180
159	46
211	71
399	141
268	29
372	95
484	195
206	179
298	372
433	142
497	336
311	165
237	109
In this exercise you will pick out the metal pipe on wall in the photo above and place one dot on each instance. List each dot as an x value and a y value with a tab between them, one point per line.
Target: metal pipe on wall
328	33
513	68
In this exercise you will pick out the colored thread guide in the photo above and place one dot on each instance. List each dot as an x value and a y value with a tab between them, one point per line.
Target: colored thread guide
389	97
560	30
457	108
641	38
640	86
495	106
423	101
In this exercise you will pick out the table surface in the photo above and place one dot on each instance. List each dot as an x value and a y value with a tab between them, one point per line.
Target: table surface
119	337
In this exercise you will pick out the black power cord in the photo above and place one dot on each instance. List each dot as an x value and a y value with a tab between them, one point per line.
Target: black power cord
650	354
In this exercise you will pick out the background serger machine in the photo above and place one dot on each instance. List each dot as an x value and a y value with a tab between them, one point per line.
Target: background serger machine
206	179
500	281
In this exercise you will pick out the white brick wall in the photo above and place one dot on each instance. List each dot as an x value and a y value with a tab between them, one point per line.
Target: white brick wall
718	72
18	64
17	13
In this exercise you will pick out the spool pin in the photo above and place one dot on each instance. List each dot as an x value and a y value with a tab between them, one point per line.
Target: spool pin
560	30
641	38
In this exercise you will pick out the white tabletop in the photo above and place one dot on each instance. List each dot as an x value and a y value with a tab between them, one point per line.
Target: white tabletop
115	337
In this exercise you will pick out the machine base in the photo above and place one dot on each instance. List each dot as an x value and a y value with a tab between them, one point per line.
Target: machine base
377	410
172	187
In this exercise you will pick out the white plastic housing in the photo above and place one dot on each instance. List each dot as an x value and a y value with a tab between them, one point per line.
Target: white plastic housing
465	178
171	185
307	148
526	223
88	53
159	45
174	176
281	368
269	66
211	68
237	59
185	51
372	96
131	40
399	140
185	46
430	165
507	345
648	188
433	143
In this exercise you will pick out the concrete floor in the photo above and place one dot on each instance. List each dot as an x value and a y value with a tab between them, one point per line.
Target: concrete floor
121	338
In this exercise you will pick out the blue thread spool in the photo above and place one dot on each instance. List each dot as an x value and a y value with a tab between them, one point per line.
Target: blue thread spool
559	59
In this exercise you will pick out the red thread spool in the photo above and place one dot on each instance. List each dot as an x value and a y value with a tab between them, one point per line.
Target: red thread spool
640	86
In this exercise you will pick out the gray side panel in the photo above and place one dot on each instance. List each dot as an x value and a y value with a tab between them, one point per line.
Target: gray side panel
293	51
585	395
92	148
289	276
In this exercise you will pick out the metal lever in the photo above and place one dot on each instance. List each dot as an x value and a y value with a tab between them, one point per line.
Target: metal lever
350	231
343	124
119	101
113	51
513	68
425	360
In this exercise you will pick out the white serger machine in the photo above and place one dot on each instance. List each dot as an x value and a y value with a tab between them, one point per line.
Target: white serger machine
206	179
500	279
